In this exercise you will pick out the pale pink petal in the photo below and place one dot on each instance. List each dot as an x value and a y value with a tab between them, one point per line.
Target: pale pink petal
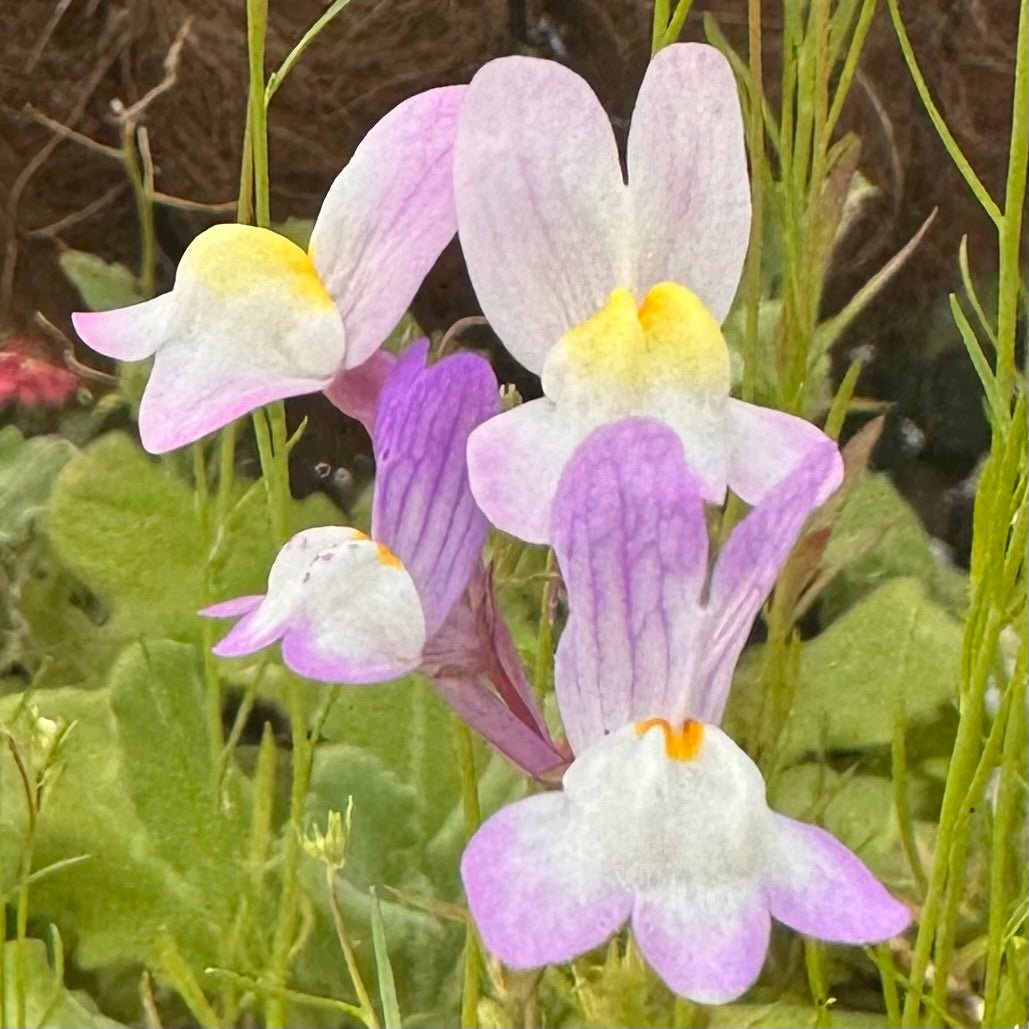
355	391
542	210
629	531
388	216
233	608
688	176
423	509
706	941
127	333
819	887
765	445
750	563
536	887
515	462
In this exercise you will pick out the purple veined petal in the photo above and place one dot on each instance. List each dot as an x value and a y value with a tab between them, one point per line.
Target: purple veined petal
630	536
355	391
820	888
515	462
688	176
707	943
247	322
536	886
751	561
423	508
126	333
543	212
767	445
388	216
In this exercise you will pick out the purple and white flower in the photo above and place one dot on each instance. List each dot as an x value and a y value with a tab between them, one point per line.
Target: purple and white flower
254	318
662	821
612	291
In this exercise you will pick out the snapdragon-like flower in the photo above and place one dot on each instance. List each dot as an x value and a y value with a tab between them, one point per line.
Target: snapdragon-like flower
662	821
354	609
254	318
612	291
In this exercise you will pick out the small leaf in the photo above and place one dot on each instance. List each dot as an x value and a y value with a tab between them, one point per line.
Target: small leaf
28	469
102	286
384	970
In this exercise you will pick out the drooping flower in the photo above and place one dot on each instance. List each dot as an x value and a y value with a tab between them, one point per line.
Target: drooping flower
28	378
253	318
612	292
662	821
354	609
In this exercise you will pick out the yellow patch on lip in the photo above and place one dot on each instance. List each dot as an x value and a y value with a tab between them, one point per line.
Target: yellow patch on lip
671	339
387	557
237	258
682	744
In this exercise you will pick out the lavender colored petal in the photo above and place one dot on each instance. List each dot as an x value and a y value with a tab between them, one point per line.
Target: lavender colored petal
688	176
766	445
819	887
751	561
355	391
388	216
423	508
542	211
233	608
629	532
707	943
535	885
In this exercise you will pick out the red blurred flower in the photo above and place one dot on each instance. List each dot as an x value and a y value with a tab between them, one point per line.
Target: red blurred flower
29	378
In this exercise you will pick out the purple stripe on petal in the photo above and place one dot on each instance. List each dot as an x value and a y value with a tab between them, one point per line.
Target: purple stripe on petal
819	887
629	532
749	564
423	508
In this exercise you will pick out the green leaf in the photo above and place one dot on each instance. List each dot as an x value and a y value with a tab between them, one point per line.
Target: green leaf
102	286
135	793
384	970
28	468
49	1004
894	652
788	1016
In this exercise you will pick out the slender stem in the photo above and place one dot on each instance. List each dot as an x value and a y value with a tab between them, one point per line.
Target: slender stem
226	472
277	77
144	209
900	800
660	26
472	819
257	26
1014	205
679	15
368	1015
883	958
756	141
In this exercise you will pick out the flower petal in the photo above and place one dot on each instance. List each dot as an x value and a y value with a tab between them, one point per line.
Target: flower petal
515	462
535	885
707	942
751	561
688	176
542	210
766	445
247	322
344	607
423	508
126	333
819	887
629	532
233	608
388	216
355	391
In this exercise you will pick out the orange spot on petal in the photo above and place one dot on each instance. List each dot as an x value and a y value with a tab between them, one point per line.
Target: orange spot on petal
387	557
682	744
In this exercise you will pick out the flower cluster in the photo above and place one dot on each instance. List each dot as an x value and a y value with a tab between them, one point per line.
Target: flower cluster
612	287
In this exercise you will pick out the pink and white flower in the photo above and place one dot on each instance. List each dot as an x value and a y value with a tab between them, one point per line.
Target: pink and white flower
612	291
254	318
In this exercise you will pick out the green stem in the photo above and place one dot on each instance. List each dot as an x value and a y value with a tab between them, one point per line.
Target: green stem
679	15
882	956
144	210
660	26
257	27
226	473
472	819
900	800
814	962
277	77
368	1015
756	145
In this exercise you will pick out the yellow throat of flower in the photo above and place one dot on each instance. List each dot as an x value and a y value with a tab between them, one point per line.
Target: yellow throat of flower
235	258
670	340
682	744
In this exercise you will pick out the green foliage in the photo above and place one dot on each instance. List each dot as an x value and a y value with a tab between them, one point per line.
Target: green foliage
49	1004
28	468
102	285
